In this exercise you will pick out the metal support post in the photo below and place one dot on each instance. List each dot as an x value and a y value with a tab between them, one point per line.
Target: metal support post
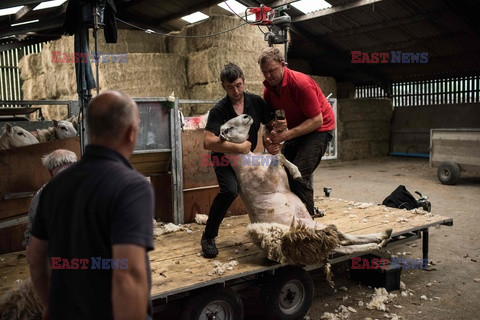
177	164
425	243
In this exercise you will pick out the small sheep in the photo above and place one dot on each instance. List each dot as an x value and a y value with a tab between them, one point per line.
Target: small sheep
15	136
61	130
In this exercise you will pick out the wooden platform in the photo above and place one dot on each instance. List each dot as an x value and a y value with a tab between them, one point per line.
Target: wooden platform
178	266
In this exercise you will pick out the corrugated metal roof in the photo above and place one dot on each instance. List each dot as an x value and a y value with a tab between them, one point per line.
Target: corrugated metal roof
446	29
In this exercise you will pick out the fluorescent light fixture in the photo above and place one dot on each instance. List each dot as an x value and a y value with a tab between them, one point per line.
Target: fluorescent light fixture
195	17
49	4
234	5
307	6
149	31
26	22
8	11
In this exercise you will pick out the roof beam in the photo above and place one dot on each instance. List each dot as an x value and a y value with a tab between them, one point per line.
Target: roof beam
343	57
422	42
189	10
27	42
437	67
22	12
279	3
383	25
32	27
333	10
14	3
466	10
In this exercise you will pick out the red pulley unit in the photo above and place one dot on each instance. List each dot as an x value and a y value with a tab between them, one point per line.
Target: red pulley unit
263	15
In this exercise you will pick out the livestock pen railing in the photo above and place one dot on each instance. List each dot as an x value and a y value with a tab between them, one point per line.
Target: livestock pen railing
427	92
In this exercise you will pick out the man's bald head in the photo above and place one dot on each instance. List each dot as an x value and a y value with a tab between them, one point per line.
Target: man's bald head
109	115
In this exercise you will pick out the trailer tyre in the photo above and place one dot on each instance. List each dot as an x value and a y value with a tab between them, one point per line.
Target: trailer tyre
218	304
288	294
448	173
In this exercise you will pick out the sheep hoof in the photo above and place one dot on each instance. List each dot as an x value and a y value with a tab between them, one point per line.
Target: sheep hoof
388	234
383	243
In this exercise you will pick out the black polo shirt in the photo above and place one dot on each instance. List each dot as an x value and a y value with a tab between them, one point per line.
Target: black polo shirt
83	211
254	106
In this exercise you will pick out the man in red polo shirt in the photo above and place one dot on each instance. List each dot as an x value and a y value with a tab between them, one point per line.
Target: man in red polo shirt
310	118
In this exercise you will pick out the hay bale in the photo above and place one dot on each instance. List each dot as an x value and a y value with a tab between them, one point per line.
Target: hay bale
147	75
57	112
205	66
39	87
255	87
213	91
210	91
130	41
24	67
176	44
244	38
363	128
327	84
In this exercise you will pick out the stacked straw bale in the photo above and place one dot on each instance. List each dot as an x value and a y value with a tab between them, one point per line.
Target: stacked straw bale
146	75
149	71
156	65
208	55
327	84
43	79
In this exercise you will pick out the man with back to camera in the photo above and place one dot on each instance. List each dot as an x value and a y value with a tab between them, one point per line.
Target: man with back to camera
88	251
310	119
235	103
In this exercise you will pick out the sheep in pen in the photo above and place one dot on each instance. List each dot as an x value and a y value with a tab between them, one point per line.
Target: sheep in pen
15	136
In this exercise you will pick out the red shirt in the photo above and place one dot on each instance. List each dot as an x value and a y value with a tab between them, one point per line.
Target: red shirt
301	98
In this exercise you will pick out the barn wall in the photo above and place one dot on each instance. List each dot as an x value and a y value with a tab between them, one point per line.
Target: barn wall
411	125
363	128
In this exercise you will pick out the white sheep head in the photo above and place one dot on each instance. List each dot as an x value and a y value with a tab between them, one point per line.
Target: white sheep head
236	130
15	136
64	129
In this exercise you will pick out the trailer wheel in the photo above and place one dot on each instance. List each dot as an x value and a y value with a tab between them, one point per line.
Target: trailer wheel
218	304
288	294
448	173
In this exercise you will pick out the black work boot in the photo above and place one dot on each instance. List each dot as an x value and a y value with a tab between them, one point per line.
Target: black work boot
208	247
318	213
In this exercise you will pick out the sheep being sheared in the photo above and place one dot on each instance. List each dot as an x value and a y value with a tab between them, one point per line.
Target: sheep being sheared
281	224
61	130
15	136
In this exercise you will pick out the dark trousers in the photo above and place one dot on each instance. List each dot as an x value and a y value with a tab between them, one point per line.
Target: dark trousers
306	152
228	193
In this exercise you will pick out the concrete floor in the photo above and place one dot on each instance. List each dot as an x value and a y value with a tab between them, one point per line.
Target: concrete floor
452	288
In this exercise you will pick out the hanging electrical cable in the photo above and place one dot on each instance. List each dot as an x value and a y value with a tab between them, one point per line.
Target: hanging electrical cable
180	36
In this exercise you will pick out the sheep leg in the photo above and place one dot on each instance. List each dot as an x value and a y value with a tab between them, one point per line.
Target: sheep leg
358	248
350	239
290	167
